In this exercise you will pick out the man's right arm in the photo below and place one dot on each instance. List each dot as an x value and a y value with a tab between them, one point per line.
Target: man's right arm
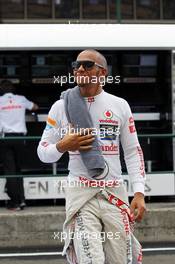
47	148
53	144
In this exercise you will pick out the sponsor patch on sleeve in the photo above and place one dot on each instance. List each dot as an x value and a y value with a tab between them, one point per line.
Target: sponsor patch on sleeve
51	122
132	128
44	144
48	127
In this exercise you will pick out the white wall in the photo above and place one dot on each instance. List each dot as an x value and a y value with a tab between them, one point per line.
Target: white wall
73	36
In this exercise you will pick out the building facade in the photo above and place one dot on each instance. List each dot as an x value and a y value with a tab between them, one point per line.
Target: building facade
87	11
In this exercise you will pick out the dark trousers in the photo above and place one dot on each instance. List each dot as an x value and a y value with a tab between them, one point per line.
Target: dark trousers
11	159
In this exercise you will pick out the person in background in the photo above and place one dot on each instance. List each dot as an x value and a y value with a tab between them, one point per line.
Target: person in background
12	124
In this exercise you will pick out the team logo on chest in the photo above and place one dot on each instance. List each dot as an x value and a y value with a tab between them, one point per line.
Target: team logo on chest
108	114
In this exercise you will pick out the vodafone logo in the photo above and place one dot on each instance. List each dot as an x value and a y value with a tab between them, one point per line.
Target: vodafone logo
11	107
108	114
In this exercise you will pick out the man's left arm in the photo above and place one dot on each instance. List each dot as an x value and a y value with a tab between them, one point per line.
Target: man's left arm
134	161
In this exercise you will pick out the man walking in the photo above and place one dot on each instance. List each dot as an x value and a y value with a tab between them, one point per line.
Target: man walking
98	219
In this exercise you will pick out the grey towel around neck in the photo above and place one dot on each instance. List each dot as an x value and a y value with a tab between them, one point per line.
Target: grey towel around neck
78	115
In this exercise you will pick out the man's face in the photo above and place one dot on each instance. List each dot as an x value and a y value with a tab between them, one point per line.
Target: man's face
86	73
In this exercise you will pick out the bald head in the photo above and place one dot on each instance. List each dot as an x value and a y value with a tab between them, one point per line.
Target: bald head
94	55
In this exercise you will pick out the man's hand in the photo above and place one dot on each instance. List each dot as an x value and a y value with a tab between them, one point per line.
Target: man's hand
138	206
76	141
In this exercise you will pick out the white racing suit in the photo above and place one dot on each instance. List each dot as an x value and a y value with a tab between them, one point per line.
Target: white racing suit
88	209
98	228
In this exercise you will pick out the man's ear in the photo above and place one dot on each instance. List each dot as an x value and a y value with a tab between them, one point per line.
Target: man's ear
104	72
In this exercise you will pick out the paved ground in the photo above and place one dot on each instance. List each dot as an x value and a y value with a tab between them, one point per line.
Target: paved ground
34	261
157	259
165	257
154	259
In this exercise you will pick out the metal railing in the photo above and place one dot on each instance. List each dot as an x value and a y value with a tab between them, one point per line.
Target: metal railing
165	135
54	165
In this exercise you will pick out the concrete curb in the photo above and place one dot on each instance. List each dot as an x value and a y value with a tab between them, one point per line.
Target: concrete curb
158	225
42	227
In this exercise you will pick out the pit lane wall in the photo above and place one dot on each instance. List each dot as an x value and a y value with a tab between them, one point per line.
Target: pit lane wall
157	184
42	226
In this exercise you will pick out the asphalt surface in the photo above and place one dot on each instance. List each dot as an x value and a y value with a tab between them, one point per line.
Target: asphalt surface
165	257
154	259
